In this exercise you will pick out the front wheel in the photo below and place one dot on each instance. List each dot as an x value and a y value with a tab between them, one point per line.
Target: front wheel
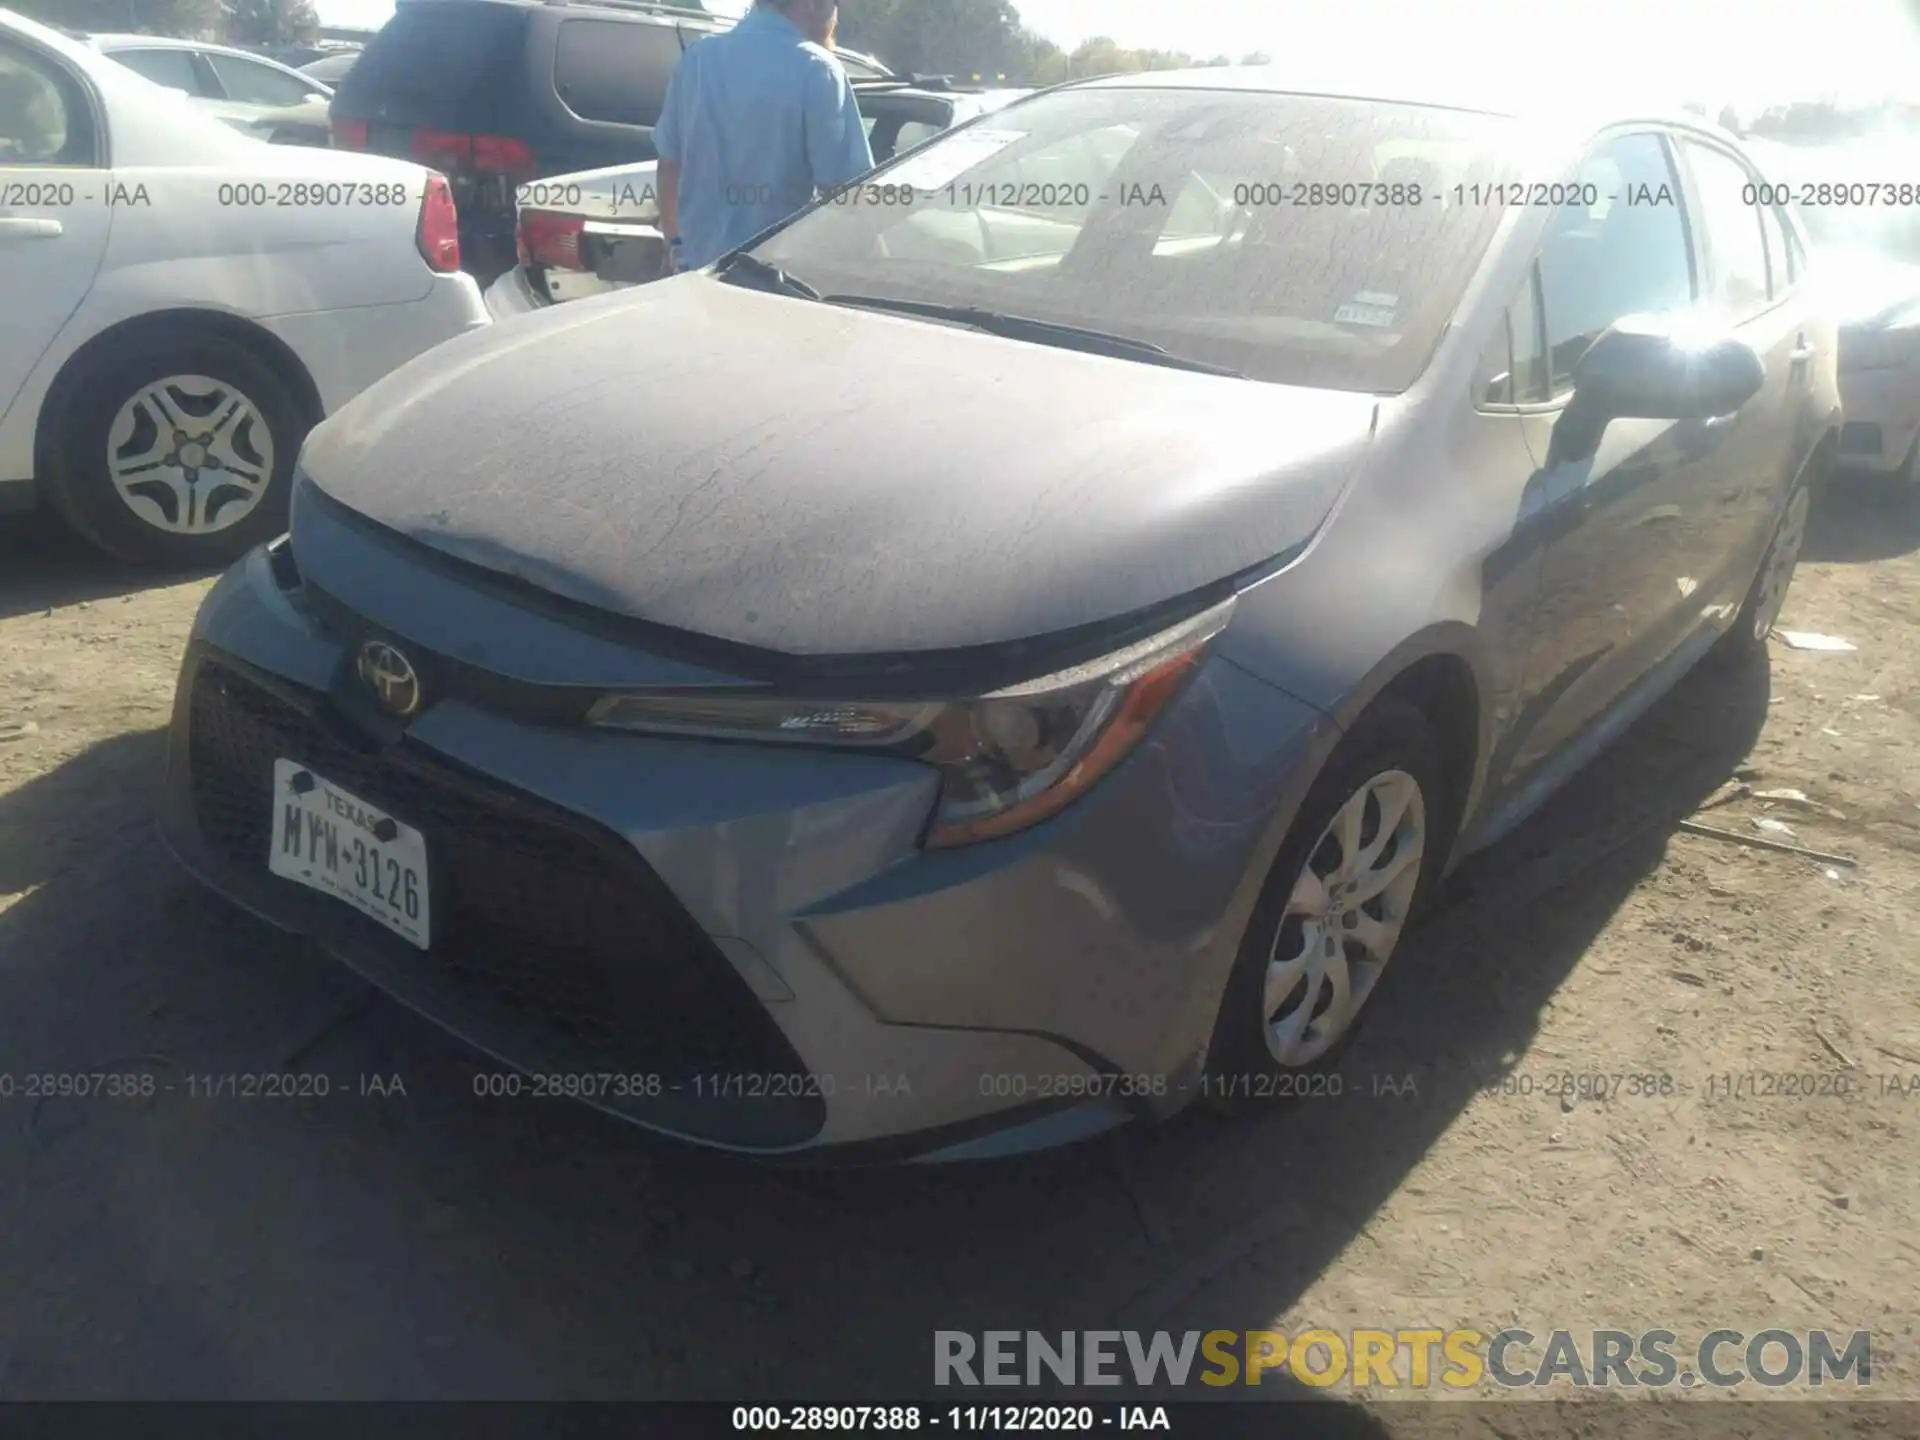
1352	873
179	454
1768	594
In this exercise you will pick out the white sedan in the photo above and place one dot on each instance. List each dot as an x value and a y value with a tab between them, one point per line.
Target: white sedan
1858	201
182	303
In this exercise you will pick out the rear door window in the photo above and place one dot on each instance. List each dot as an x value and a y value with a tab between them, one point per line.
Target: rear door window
254	84
1735	238
171	68
615	71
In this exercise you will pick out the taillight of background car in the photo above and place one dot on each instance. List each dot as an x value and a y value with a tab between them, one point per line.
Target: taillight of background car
438	232
546	237
454	152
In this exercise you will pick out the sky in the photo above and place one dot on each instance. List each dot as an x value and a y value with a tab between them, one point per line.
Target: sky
1744	52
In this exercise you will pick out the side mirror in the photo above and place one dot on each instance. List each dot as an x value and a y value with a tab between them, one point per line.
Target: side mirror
1640	370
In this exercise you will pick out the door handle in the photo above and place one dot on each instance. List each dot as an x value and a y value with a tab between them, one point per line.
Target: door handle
1720	422
29	227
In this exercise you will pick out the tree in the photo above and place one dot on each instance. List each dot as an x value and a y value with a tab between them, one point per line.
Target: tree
269	22
186	19
984	37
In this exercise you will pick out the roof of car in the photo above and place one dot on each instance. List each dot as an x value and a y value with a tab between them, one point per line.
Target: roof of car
168	42
1440	86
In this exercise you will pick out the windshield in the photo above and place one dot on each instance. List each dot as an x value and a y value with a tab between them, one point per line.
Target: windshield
1296	239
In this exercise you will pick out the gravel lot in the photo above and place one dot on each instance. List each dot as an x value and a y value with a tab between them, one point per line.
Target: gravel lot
435	1245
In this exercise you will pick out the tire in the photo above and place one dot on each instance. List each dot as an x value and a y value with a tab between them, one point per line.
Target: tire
1392	754
133	489
1768	593
1905	482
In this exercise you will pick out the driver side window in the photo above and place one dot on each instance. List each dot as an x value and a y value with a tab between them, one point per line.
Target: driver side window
1626	254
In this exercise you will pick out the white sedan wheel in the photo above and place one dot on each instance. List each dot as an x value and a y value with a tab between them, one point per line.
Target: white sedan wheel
190	455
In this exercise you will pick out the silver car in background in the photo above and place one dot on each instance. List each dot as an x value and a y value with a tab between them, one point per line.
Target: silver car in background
1860	204
1014	660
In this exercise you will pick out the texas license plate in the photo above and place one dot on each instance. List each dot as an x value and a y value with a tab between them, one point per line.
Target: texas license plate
338	844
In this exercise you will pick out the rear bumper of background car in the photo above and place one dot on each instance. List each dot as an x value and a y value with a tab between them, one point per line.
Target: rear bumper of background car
1882	418
759	927
518	293
513	294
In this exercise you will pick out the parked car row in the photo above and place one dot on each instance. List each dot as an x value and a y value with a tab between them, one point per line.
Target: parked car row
123	212
183	302
495	93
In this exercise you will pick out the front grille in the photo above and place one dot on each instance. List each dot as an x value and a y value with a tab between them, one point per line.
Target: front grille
539	917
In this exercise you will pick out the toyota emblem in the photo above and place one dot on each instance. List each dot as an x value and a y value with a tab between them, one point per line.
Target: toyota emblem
391	677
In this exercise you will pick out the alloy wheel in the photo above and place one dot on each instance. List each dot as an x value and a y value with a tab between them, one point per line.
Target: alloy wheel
1344	918
1782	558
190	455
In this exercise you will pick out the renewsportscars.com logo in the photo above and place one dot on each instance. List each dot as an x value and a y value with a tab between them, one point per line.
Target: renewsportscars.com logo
1418	1359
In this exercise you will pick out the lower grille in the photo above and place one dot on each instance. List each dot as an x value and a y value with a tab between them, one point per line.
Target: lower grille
540	917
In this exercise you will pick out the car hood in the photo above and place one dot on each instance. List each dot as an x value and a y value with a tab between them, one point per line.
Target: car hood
821	481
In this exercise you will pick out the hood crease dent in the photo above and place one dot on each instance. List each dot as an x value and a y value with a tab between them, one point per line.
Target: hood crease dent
815	480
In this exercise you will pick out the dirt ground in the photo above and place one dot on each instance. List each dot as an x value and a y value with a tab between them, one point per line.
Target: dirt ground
439	1246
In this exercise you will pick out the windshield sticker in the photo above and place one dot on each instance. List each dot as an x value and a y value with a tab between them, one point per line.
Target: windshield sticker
946	161
1371	309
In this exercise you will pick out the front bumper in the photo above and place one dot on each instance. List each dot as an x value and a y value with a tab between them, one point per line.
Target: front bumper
757	927
1882	409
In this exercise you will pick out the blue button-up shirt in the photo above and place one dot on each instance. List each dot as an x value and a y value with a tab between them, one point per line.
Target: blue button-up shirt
757	119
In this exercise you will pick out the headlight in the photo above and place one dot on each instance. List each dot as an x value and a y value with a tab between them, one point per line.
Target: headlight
1007	760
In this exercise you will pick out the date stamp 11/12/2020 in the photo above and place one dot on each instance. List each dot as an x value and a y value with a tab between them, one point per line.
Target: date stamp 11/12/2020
1567	1086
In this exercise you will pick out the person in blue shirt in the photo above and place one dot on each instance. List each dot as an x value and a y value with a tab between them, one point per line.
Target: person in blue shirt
756	121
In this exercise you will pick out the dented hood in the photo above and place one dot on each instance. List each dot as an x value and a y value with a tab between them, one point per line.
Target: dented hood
817	480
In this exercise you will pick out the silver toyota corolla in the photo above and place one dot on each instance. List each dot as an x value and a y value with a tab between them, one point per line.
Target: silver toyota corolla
1012	649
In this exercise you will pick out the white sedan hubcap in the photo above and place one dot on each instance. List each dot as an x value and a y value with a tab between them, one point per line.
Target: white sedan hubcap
190	455
1344	918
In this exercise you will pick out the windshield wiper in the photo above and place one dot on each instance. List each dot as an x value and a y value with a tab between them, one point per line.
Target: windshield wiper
1044	332
768	275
